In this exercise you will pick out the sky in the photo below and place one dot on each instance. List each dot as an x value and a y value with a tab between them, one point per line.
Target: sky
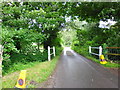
102	24
106	24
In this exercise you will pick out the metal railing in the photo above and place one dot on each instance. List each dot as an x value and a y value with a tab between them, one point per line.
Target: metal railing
113	53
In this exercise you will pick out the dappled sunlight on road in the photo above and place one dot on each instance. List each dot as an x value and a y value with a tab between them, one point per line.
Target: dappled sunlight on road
68	49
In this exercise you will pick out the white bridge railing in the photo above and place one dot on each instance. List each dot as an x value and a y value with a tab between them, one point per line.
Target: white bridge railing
49	54
99	48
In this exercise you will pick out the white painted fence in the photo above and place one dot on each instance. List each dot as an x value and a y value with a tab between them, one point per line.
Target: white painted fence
49	54
98	54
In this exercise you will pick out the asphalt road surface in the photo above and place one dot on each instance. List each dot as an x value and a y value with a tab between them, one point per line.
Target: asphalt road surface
75	71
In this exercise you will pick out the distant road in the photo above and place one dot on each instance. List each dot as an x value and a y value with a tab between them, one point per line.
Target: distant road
75	71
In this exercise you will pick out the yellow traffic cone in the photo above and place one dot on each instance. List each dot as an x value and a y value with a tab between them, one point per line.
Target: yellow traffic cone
21	80
103	61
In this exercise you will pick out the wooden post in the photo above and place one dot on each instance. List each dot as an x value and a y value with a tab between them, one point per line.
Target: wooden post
54	51
89	49
48	53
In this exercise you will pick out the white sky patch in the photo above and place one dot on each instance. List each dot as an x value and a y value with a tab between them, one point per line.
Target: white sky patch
21	3
53	25
34	21
40	25
64	29
88	0
106	24
34	43
10	4
76	17
64	3
67	19
84	22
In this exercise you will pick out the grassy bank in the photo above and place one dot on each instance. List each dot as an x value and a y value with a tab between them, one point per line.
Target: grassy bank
84	52
35	75
109	64
19	61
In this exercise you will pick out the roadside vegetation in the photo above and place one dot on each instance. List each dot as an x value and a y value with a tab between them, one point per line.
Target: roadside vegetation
90	34
94	24
38	73
84	52
21	61
28	28
27	31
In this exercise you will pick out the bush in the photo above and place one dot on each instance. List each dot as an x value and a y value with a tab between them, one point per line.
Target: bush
20	58
17	60
58	50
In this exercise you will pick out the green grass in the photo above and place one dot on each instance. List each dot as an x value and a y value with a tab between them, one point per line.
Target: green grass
109	64
19	61
84	51
19	66
37	73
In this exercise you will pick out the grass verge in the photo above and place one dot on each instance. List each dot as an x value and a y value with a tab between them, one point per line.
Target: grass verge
35	75
108	64
19	66
84	52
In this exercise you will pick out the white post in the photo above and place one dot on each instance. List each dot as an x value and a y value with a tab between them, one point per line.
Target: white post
48	53
89	49
1	58
54	51
100	51
1	52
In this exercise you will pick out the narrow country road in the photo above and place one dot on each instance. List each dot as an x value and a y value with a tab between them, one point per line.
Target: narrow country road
75	71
